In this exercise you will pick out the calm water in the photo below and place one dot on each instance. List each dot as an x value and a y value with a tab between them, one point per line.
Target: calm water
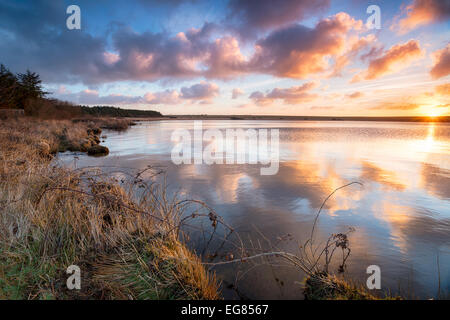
401	214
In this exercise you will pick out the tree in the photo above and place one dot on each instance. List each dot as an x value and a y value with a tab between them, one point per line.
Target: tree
31	85
17	90
9	88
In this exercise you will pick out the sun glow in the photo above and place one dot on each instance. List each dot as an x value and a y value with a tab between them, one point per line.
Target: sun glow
434	110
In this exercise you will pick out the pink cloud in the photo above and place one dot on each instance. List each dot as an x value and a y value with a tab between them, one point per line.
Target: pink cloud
110	58
298	51
236	93
224	58
163	97
441	67
293	95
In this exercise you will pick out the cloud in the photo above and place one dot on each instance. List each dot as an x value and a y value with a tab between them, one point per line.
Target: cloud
422	12
291	95
441	67
60	55
252	16
356	45
92	97
150	56
236	93
260	98
287	49
200	91
396	58
298	51
355	95
443	89
164	97
75	56
374	52
321	108
244	106
396	106
224	58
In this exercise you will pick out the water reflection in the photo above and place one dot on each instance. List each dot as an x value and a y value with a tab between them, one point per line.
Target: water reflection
401	214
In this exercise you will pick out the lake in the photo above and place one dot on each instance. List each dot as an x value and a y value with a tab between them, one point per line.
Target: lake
400	214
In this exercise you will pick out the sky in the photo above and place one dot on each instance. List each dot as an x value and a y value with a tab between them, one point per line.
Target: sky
265	57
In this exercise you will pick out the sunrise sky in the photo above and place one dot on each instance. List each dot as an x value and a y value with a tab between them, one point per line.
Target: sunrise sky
292	57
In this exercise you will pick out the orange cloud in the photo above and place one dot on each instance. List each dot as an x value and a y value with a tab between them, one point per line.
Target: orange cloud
396	106
422	12
355	95
396	58
441	67
355	47
291	95
321	108
443	89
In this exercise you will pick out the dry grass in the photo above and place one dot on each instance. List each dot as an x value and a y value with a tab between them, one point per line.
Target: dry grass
323	286
52	217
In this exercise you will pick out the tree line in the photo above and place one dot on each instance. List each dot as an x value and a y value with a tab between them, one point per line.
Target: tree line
17	89
25	91
109	111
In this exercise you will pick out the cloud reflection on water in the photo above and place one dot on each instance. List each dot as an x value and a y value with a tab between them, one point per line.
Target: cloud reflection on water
401	214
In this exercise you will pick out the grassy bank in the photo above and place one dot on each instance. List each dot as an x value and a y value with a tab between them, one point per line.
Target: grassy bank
117	124
53	217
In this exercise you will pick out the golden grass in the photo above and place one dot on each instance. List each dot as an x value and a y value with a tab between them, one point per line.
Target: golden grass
118	124
323	286
52	217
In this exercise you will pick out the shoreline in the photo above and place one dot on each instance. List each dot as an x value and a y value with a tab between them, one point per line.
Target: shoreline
443	119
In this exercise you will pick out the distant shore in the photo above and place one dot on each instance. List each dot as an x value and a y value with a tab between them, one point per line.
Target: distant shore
292	118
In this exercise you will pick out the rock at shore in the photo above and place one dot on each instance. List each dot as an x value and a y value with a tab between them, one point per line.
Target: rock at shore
98	150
